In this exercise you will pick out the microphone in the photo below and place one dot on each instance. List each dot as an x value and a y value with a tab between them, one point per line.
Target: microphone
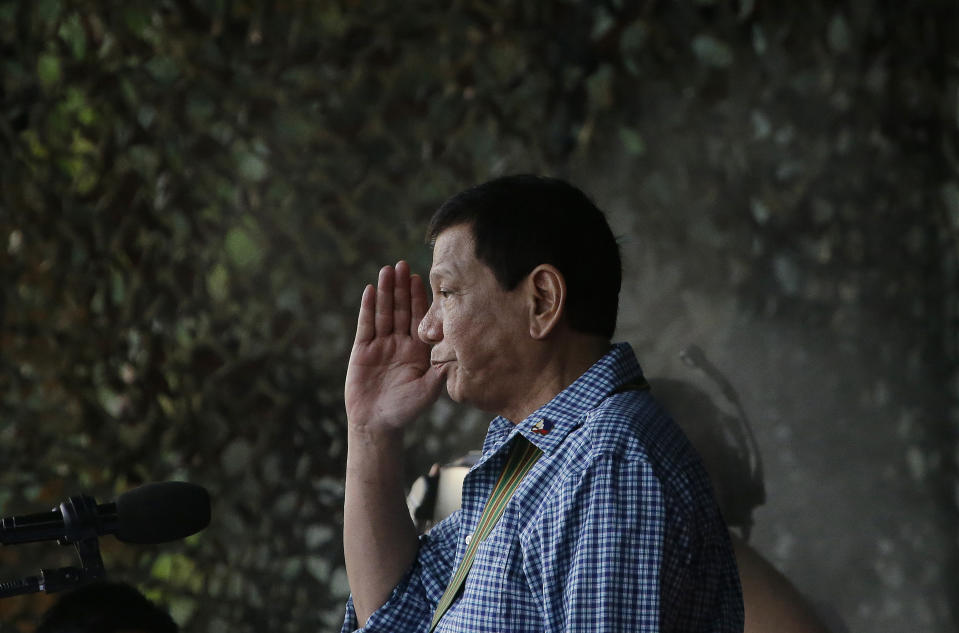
150	514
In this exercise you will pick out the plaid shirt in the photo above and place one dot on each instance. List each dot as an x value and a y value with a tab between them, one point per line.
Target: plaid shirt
614	529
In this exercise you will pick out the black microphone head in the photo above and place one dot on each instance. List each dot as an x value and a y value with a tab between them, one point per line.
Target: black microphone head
161	512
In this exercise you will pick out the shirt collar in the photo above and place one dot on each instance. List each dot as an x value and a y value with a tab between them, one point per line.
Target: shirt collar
549	425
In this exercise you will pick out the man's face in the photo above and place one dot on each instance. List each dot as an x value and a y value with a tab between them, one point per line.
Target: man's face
476	329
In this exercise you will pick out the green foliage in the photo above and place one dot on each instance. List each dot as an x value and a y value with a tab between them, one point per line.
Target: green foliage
193	196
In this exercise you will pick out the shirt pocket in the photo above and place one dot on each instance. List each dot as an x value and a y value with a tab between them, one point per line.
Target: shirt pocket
496	588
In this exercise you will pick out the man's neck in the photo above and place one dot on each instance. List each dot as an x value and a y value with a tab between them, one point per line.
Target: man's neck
554	367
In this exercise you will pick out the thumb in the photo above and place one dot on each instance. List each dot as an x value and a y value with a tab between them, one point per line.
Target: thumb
433	380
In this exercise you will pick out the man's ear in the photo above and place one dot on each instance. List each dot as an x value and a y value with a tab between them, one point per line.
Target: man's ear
547	293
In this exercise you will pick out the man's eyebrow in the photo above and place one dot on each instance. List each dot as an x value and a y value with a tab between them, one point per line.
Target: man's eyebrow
440	271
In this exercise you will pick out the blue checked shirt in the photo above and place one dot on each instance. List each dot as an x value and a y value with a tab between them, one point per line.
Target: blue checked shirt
614	529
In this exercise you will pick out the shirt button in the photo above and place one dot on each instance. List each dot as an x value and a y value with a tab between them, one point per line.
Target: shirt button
469	538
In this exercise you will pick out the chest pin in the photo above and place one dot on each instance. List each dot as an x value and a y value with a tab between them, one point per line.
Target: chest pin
542	427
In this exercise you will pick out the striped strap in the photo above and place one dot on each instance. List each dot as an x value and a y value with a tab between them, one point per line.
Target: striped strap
522	456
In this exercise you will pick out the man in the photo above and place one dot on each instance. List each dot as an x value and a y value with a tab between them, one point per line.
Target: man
611	526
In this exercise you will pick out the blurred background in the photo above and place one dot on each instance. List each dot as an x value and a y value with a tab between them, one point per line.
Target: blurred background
193	194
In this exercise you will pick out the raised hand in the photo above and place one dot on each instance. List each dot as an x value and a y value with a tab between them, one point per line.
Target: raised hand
389	380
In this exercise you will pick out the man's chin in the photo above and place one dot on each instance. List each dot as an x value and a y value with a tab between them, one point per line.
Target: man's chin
454	389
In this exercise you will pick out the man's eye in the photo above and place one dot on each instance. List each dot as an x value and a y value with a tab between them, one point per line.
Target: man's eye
445	293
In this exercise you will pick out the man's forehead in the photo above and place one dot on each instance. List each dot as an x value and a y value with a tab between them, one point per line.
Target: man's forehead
453	251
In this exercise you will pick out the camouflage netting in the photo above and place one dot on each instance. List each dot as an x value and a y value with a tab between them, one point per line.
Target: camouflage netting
193	194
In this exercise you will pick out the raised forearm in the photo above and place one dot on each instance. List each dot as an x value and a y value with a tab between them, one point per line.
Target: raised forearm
379	538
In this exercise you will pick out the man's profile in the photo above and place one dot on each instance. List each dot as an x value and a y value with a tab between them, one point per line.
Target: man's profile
588	509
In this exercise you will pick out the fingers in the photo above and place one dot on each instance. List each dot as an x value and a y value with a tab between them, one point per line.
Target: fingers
365	328
401	298
434	379
418	304
384	302
396	305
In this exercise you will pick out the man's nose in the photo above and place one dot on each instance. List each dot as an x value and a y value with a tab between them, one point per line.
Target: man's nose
430	329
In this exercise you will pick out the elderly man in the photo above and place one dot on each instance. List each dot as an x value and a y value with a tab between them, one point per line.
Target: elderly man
589	510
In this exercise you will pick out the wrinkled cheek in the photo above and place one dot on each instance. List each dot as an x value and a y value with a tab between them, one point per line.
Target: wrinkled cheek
461	385
452	383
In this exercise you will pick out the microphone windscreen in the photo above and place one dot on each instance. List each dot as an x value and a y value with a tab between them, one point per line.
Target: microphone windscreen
161	512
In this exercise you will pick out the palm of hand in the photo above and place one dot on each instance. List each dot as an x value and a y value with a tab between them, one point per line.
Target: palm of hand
389	380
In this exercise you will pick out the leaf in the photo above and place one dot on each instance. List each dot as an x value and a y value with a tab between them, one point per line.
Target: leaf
71	32
712	51
144	159
48	11
236	456
182	609
178	570
318	567
243	248
117	288
136	20
632	141
838	34
76	103
218	283
318	535
164	69
632	43
199	108
48	70
36	147
252	167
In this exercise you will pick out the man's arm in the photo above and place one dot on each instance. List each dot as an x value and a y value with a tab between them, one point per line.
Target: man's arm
601	558
596	551
389	382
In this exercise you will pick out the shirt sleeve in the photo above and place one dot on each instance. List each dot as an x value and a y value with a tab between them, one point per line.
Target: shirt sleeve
611	551
411	604
593	558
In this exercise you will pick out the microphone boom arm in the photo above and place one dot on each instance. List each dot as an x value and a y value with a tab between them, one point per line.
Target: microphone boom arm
80	519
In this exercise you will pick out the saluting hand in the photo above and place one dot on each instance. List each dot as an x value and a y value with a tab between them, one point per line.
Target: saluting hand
389	380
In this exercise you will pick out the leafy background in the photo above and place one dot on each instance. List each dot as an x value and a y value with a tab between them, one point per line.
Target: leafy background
194	192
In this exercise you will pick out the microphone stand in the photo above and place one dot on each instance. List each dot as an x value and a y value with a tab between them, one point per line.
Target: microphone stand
80	521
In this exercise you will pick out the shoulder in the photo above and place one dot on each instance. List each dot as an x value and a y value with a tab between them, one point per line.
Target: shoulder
633	426
632	431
